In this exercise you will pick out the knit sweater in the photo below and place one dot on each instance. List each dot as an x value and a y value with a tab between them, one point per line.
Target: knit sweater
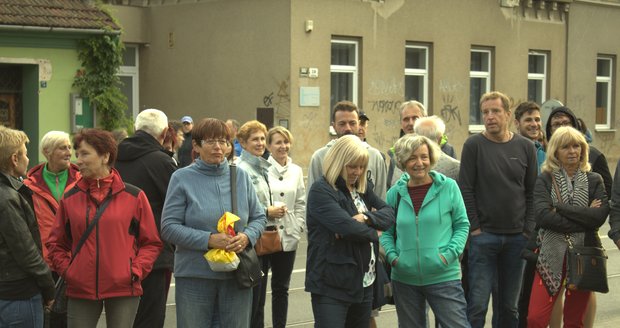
197	197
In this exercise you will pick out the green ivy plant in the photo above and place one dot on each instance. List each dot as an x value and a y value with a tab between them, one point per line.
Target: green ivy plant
101	57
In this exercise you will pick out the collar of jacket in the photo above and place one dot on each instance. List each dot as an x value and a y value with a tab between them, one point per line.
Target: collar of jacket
256	161
211	169
12	181
279	168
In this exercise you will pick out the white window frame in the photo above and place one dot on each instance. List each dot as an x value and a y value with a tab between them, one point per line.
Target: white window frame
134	73
420	72
351	69
609	81
538	76
480	74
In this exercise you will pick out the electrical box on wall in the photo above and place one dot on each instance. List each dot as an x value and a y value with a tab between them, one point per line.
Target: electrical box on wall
313	72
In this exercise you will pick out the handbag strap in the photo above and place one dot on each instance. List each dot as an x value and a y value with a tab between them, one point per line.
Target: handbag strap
91	226
233	187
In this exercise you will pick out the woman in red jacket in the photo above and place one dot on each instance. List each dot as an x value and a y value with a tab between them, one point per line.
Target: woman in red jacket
120	250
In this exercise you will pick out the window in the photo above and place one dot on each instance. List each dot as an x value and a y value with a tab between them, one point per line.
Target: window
479	84
537	77
604	90
344	71
416	73
129	76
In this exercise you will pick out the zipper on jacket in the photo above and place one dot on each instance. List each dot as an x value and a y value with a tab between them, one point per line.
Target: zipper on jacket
417	240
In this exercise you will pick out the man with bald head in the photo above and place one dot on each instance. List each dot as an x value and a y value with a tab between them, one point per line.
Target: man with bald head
433	128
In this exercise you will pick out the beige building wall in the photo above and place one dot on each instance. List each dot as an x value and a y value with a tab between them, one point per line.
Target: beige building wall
225	58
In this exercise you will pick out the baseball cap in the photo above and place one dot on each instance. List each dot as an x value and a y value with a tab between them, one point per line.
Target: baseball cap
363	117
187	119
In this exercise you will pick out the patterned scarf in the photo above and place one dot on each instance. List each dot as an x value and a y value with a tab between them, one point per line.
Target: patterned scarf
553	244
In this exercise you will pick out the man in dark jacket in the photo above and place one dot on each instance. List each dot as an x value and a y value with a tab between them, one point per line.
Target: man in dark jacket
143	162
563	116
185	151
25	279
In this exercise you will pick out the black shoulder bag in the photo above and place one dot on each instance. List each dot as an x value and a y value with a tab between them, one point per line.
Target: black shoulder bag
586	265
248	273
60	297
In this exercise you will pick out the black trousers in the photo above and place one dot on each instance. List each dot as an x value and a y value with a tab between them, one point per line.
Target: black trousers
152	309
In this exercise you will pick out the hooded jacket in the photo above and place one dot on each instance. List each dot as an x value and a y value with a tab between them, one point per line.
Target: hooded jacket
119	252
596	158
23	273
144	163
417	241
44	204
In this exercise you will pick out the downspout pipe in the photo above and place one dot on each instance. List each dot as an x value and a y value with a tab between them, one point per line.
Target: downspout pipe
50	29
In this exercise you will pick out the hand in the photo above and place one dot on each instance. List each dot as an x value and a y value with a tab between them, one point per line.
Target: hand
359	218
48	305
276	212
596	203
443	259
238	243
475	232
219	240
394	262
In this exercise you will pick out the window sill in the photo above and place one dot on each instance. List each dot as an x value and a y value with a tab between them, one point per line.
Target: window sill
604	130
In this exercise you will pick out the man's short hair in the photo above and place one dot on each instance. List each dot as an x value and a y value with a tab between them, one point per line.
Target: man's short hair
496	95
411	103
11	141
525	107
431	127
152	121
345	106
234	123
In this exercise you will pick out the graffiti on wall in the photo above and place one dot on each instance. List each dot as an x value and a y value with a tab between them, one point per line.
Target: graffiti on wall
390	87
384	106
279	99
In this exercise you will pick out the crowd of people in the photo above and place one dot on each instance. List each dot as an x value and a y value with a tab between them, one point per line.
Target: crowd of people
442	235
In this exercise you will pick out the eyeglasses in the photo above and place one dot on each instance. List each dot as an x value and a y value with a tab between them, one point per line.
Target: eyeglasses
212	142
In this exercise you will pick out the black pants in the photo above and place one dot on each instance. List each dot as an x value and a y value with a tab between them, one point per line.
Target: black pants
152	309
281	265
330	312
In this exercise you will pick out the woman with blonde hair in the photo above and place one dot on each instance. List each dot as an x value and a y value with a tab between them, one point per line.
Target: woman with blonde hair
344	216
570	202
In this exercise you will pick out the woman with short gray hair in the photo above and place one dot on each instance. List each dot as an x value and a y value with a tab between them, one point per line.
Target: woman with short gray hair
424	245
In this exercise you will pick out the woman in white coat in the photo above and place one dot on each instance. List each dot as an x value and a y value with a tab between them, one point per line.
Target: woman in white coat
287	187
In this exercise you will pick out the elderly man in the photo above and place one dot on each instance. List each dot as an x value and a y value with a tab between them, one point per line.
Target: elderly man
25	279
433	128
143	162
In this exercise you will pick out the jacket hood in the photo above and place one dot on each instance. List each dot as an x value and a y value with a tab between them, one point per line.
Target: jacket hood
136	146
35	176
565	111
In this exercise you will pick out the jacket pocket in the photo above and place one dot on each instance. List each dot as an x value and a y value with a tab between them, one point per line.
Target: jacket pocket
341	273
431	261
408	262
291	234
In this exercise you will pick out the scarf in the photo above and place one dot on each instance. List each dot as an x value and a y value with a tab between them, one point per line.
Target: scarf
552	244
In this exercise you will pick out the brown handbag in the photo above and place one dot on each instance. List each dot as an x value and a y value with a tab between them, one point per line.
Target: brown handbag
269	242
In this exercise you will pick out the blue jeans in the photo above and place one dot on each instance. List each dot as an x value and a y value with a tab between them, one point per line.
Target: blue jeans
446	299
22	313
332	313
197	299
491	254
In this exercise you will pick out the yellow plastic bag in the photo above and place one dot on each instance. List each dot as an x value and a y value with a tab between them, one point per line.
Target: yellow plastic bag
221	260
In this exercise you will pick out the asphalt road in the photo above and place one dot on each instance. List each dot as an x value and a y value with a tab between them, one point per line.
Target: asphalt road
300	310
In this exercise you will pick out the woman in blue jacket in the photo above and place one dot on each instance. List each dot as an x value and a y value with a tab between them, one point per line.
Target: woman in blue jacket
424	245
343	216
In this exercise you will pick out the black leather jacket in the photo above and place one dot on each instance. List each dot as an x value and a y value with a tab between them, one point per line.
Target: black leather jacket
21	263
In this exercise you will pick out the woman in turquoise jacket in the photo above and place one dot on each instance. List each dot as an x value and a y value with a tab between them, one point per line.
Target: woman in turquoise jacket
425	243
